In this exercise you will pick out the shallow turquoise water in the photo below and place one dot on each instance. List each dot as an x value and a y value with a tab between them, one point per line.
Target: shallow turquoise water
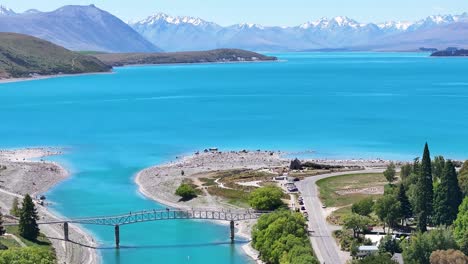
339	104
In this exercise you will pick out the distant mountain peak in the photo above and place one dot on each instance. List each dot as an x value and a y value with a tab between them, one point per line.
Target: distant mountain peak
339	21
32	11
5	11
250	26
176	20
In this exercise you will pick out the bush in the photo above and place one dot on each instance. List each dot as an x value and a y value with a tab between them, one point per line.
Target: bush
363	207
186	191
27	255
266	198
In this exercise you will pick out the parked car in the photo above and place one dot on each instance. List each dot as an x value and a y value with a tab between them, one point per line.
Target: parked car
301	202
302	208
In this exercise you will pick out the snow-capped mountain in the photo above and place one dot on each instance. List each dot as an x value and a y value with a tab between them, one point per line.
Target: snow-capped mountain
178	33
189	33
5	11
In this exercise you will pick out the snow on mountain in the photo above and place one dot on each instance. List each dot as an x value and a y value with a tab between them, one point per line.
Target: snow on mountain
5	11
161	18
341	32
336	22
395	25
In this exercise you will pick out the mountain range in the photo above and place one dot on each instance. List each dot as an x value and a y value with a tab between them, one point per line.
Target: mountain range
77	28
338	33
92	29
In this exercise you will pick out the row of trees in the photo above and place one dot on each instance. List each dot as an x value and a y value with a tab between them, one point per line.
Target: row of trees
281	237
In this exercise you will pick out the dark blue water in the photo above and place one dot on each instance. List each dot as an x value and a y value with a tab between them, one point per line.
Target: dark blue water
341	105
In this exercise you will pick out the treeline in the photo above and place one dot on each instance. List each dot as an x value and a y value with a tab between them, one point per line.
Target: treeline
430	193
281	237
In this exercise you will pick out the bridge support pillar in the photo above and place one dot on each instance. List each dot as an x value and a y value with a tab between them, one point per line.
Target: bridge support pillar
117	236
65	231
232	231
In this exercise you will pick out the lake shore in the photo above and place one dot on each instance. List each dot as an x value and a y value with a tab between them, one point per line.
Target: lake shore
160	182
25	172
43	77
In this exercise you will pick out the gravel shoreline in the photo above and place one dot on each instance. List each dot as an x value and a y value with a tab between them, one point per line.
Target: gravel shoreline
27	173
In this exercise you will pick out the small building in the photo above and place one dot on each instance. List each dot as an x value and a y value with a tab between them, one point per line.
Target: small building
364	251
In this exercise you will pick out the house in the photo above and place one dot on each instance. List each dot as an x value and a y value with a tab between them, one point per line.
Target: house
364	251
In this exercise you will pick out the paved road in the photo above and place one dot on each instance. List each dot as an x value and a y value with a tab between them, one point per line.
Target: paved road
324	244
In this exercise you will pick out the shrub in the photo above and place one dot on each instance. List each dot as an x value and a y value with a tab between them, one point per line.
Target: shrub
266	198
186	191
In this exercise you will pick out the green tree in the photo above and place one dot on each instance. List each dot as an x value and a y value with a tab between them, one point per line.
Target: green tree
424	194
390	173
463	178
447	196
27	255
388	209
406	170
405	205
28	227
186	191
460	226
421	245
389	245
266	198
15	211
438	166
363	207
357	223
450	256
2	229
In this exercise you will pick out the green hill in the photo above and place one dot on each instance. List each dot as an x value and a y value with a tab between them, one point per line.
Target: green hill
26	56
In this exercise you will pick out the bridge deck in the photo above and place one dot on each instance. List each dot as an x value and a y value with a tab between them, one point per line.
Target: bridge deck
167	214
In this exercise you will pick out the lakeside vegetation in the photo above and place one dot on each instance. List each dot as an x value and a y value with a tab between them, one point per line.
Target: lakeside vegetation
431	192
281	237
32	247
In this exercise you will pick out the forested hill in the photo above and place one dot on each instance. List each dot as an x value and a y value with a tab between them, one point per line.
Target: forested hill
26	56
219	55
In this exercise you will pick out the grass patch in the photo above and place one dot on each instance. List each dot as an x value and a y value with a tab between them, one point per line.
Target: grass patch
235	197
330	186
207	181
41	241
9	242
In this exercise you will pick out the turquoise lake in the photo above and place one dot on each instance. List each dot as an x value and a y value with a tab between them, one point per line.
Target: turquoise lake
340	105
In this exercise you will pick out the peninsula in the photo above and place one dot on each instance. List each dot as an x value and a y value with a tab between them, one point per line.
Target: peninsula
210	56
451	53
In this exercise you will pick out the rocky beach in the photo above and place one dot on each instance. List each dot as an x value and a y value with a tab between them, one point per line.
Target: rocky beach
24	171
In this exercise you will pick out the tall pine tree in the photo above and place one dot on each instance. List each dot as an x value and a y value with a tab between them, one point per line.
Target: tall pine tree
425	193
405	205
28	227
447	196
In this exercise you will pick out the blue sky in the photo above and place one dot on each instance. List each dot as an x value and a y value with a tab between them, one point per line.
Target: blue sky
266	12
